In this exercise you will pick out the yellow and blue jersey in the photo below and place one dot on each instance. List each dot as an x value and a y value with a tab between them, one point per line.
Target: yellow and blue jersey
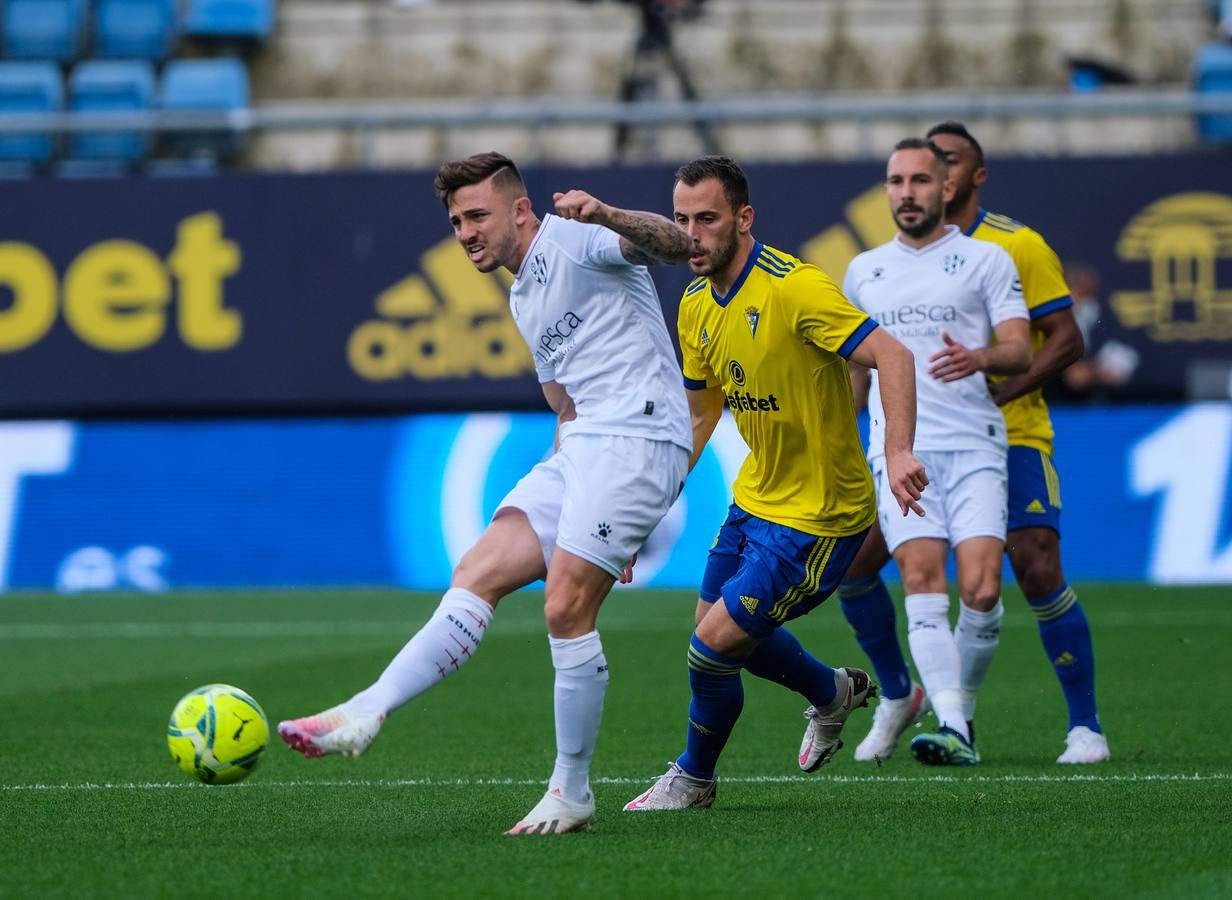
777	344
1027	421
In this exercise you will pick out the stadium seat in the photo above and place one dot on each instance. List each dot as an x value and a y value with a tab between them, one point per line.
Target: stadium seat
197	85
44	29
25	88
134	29
1213	74
111	86
249	20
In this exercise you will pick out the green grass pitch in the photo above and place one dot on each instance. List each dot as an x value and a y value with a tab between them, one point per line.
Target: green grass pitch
91	804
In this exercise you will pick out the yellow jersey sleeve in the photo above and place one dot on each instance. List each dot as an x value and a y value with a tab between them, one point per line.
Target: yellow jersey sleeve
1043	284
691	334
821	313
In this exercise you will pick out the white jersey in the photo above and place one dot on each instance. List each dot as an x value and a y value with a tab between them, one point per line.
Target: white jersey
594	324
956	285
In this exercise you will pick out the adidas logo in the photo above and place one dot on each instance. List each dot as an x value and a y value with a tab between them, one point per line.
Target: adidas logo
749	603
448	320
1035	507
1065	659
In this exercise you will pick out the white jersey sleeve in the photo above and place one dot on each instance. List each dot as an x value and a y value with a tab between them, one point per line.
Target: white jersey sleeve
1003	289
603	249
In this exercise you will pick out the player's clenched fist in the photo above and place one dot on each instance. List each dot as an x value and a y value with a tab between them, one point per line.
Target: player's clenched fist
581	206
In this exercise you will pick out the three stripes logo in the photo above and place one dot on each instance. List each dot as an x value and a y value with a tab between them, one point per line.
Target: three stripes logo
448	320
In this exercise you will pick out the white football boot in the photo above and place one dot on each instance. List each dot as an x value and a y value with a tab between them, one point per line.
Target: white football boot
890	719
675	790
556	815
821	737
1082	745
334	731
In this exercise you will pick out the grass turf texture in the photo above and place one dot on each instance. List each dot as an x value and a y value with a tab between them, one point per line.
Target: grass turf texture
91	804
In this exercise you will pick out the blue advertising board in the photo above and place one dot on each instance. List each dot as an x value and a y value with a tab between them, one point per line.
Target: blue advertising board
396	500
343	292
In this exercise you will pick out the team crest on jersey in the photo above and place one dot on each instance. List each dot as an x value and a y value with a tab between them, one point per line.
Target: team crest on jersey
752	315
539	269
705	338
953	263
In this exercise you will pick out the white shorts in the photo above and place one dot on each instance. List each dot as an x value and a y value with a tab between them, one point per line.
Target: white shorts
966	497
600	495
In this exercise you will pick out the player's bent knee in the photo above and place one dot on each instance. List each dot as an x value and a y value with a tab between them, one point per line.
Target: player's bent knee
923	579
980	592
981	600
703	607
570	613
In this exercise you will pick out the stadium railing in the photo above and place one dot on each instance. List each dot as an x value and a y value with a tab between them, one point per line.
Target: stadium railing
370	118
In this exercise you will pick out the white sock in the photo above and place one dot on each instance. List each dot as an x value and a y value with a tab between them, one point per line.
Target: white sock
440	647
581	682
977	635
936	656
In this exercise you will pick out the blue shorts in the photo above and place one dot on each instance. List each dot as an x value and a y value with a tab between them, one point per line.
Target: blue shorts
1035	490
768	574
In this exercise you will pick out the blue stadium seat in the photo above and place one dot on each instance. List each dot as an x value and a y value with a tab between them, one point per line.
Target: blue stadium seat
135	29
1213	74
251	20
29	87
107	86
198	85
44	29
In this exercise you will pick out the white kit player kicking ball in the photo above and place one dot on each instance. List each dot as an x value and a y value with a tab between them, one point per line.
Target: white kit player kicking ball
944	295
588	309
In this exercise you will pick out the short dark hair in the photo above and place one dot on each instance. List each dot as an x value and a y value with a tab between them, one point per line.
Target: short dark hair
919	143
474	169
958	129
723	168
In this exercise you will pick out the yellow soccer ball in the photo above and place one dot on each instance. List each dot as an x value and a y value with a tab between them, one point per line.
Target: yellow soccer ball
217	734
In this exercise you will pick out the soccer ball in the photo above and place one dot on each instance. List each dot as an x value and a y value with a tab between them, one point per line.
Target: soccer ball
217	734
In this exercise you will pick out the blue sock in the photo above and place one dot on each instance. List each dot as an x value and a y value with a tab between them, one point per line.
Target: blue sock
1067	640
870	611
718	697
781	659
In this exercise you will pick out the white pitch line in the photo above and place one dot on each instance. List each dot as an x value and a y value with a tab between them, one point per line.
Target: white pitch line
531	782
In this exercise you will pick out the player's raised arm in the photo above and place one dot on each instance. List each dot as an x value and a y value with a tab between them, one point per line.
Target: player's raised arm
646	238
895	367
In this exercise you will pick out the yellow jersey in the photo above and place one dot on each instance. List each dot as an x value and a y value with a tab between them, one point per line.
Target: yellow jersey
777	344
1027	422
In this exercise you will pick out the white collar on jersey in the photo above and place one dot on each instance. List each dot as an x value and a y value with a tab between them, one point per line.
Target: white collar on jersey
951	233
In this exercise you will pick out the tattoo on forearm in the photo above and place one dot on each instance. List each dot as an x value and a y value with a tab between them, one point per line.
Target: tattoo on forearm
650	238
